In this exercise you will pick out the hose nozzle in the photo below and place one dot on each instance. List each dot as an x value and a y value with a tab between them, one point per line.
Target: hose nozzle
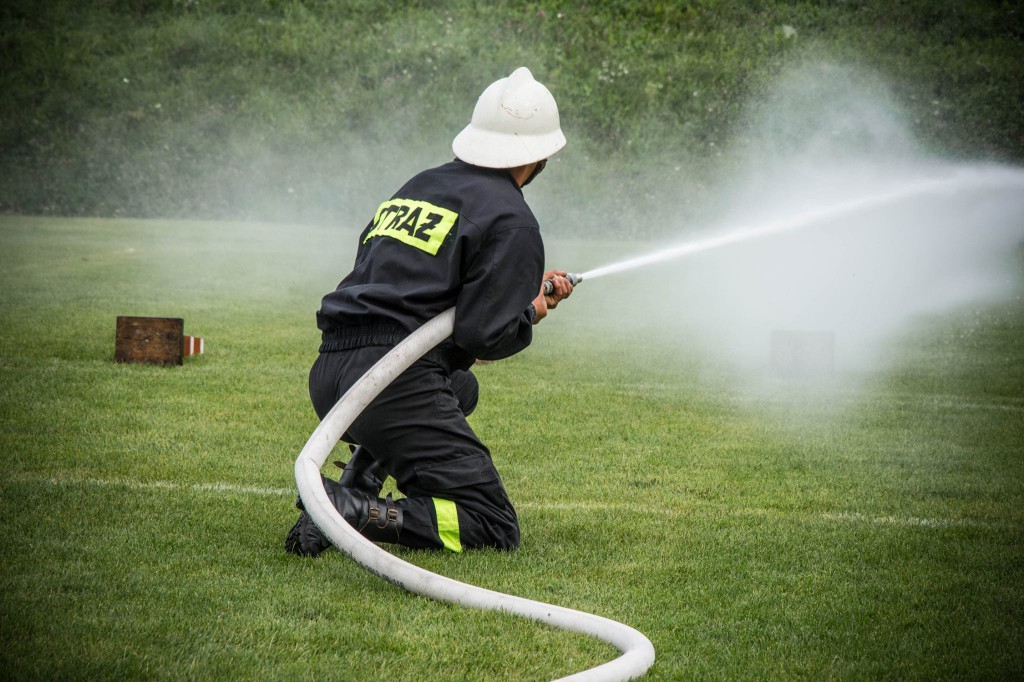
549	286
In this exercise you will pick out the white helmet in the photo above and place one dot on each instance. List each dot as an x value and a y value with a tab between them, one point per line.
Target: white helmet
515	122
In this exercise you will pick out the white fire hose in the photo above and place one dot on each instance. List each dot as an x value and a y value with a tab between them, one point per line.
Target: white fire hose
637	651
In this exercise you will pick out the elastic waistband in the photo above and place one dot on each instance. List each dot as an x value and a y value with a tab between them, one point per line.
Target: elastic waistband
376	334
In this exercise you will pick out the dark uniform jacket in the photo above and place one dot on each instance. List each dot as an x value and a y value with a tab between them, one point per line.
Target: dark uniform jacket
456	235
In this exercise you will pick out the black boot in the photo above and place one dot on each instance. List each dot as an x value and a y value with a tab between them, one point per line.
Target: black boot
305	539
362	473
379	520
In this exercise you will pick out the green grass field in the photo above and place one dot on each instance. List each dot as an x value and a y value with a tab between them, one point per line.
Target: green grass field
866	534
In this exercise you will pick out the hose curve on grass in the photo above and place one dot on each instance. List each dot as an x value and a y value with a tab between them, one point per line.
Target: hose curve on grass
637	651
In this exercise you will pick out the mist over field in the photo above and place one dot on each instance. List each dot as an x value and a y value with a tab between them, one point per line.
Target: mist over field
823	135
828	135
682	122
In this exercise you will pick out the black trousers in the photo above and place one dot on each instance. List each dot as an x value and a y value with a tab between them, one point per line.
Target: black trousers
417	429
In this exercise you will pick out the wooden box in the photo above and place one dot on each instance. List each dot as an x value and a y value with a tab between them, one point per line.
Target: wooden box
154	340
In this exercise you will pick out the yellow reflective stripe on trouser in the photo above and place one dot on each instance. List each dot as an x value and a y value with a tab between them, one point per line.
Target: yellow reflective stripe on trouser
448	524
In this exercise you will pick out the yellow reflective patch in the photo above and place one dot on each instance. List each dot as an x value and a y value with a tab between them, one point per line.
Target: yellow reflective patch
448	524
416	223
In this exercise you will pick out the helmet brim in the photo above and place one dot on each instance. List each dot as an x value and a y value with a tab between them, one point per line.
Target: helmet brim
503	150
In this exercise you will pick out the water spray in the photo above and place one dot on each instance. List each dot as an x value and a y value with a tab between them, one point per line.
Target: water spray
957	182
637	651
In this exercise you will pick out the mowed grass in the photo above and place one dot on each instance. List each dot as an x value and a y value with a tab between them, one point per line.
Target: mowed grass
866	534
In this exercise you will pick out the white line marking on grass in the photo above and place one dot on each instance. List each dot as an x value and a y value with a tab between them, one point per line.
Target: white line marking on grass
908	521
847	517
161	485
954	402
586	506
231	488
935	401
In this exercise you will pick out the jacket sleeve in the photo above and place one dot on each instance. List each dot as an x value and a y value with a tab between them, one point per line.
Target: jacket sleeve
492	316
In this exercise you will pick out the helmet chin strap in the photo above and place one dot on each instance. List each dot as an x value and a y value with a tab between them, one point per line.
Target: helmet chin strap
536	171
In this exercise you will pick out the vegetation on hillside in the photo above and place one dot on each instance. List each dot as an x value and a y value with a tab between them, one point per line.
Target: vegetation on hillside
290	109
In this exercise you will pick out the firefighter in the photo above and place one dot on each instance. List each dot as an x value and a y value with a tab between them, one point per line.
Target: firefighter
457	235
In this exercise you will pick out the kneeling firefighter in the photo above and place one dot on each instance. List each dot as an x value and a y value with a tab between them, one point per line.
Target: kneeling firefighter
457	235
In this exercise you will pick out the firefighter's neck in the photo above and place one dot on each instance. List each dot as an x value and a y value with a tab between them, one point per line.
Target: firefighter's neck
522	173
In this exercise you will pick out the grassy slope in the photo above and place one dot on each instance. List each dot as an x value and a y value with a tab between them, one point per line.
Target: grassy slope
745	540
218	108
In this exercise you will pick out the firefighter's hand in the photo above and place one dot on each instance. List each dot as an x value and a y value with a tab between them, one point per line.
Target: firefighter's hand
561	289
